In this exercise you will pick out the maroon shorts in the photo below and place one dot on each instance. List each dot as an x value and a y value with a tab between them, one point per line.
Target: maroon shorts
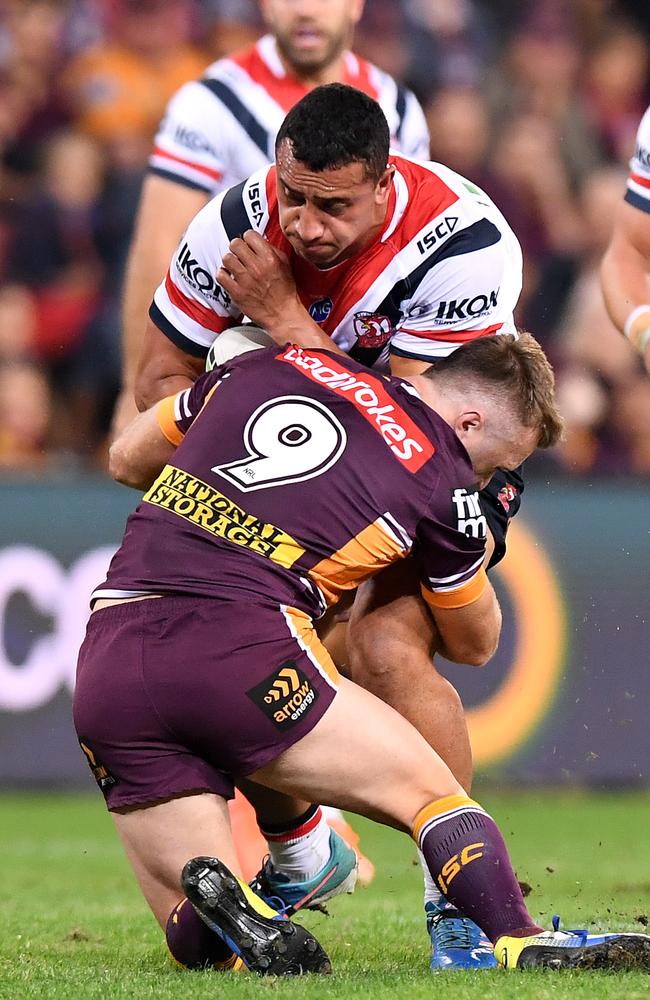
182	694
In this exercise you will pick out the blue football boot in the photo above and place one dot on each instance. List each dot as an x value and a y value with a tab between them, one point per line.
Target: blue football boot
337	876
456	941
576	949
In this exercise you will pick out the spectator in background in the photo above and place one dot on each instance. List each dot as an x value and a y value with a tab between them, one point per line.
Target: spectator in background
459	126
31	104
118	88
230	25
25	417
614	85
54	255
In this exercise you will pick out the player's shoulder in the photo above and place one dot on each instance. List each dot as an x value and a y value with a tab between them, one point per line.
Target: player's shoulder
242	60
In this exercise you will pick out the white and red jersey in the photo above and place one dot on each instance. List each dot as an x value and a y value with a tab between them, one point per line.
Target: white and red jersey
222	128
638	182
445	269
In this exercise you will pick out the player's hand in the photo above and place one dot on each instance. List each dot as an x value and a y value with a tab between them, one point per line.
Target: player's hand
258	279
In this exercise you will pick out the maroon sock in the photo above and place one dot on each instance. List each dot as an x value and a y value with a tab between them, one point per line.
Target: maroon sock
469	862
192	943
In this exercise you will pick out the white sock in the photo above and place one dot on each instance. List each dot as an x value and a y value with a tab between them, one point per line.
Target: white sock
300	851
330	812
432	893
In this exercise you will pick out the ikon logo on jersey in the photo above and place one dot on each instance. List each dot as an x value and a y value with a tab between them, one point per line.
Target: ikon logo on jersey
467	308
372	329
408	443
199	278
285	696
320	310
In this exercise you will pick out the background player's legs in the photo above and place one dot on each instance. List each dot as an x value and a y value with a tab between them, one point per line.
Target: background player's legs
391	643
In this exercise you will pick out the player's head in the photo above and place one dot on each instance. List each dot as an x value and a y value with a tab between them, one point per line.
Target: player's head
333	178
311	34
498	394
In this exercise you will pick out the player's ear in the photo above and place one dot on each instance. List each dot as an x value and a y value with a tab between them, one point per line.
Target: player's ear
468	422
384	183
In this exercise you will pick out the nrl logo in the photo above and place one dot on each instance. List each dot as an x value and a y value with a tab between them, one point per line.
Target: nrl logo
372	329
506	495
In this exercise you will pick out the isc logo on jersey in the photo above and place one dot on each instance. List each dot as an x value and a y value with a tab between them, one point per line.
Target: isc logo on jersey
404	438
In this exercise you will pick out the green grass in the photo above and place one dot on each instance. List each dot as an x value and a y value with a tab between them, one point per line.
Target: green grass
72	924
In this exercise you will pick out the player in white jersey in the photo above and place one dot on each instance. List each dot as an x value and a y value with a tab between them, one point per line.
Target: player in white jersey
388	257
444	268
625	271
221	129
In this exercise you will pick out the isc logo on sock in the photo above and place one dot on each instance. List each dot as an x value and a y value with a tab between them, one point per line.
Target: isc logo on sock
285	696
451	868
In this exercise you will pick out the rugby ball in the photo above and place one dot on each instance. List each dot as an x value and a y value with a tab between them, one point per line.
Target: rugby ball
235	341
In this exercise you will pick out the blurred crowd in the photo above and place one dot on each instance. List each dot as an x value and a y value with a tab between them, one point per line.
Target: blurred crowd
537	101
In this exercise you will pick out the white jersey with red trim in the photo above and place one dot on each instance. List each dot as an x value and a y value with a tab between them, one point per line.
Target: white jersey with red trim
445	269
638	182
222	128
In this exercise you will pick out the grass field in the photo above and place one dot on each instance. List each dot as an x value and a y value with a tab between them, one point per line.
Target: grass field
73	925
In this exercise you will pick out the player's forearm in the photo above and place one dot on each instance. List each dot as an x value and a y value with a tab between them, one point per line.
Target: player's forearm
470	635
295	326
143	274
137	456
163	368
624	281
165	210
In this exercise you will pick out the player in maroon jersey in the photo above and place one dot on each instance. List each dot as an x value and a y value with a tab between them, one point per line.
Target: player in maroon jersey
386	257
299	474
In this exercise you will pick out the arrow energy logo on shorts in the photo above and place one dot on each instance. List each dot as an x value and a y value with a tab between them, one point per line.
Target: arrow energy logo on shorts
285	696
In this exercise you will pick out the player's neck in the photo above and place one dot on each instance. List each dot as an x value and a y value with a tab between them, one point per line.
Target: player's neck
432	397
333	72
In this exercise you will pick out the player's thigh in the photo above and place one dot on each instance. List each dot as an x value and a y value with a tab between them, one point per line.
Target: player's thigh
361	755
158	840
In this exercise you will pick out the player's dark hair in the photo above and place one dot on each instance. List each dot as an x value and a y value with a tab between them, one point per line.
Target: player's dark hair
335	125
515	370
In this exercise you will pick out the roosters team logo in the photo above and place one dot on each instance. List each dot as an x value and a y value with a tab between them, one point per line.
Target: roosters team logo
506	495
372	329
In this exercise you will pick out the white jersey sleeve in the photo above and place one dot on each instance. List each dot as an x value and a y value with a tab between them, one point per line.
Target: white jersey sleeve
638	182
413	133
190	306
408	126
466	277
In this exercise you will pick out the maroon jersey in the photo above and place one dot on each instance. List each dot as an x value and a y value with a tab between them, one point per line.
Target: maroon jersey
298	475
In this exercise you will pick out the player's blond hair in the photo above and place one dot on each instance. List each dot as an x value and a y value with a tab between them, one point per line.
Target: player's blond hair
513	370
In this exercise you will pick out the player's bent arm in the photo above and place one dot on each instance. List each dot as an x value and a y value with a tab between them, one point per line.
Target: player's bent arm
165	210
163	368
469	634
625	273
137	456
